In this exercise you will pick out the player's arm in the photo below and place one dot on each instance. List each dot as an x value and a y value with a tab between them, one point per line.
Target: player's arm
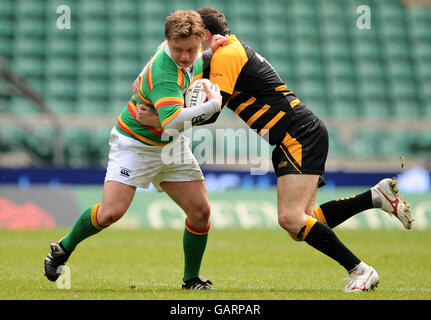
170	107
225	98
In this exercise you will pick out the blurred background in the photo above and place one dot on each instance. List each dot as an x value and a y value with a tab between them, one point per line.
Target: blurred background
62	89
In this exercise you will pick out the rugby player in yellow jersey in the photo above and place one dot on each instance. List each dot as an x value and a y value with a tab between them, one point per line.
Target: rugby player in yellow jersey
135	151
252	89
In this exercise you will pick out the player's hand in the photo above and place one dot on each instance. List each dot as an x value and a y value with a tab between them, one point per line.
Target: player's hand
217	41
147	117
214	94
135	86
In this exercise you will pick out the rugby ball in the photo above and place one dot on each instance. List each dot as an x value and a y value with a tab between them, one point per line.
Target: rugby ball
196	94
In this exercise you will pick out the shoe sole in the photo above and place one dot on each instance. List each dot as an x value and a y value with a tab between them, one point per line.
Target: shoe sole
407	212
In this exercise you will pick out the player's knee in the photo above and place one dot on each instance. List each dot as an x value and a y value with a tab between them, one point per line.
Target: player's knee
199	215
109	216
290	222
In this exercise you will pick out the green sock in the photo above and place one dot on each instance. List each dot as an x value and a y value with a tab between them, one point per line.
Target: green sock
85	227
194	247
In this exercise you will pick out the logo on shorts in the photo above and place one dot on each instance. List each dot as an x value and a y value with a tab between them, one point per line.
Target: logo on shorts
125	172
282	164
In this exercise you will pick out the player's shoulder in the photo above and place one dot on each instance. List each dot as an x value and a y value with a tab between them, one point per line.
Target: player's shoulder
234	48
163	69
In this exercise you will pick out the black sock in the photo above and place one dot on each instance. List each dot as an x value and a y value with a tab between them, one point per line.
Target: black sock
338	211
322	238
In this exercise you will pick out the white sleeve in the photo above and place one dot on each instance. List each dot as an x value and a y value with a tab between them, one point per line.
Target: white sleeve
192	115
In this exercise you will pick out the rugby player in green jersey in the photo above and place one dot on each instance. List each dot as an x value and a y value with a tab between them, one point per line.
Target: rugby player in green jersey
135	155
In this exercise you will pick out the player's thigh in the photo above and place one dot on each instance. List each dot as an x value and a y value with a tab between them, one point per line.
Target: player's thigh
192	197
294	192
116	199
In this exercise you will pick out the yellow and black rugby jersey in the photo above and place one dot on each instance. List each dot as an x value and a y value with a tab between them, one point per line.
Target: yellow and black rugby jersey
254	91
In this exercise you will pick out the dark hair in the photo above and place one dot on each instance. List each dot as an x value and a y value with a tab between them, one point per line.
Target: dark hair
214	21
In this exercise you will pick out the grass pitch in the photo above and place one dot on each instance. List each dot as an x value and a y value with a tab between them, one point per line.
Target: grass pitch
243	265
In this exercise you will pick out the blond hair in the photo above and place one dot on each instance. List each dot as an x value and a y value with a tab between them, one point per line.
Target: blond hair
183	24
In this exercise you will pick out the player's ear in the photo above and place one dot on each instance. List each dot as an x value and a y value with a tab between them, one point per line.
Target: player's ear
208	35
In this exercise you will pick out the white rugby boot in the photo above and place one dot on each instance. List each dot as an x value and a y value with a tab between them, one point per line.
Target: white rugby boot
362	278
387	195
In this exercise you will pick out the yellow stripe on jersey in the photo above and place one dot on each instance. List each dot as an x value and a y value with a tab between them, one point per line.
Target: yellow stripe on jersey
171	117
294	103
168	101
243	105
180	79
271	123
257	115
281	88
129	131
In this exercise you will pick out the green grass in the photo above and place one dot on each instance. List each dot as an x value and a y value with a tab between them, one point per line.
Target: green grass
243	264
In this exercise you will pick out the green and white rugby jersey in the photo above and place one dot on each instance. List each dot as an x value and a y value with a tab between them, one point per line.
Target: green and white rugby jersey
162	84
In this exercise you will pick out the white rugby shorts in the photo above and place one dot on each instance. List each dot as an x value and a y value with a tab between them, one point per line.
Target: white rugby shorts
136	164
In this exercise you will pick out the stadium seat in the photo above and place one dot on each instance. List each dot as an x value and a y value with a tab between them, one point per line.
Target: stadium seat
369	69
29	46
397	143
125	9
342	89
99	146
336	146
372	88
58	87
123	27
365	48
339	68
92	106
6	9
366	144
402	88
92	67
28	66
336	48
309	68
374	108
76	147
6	28
61	46
96	27
404	108
30	27
30	8
344	108
399	69
125	68
392	30
92	48
422	69
421	49
393	49
92	9
333	29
